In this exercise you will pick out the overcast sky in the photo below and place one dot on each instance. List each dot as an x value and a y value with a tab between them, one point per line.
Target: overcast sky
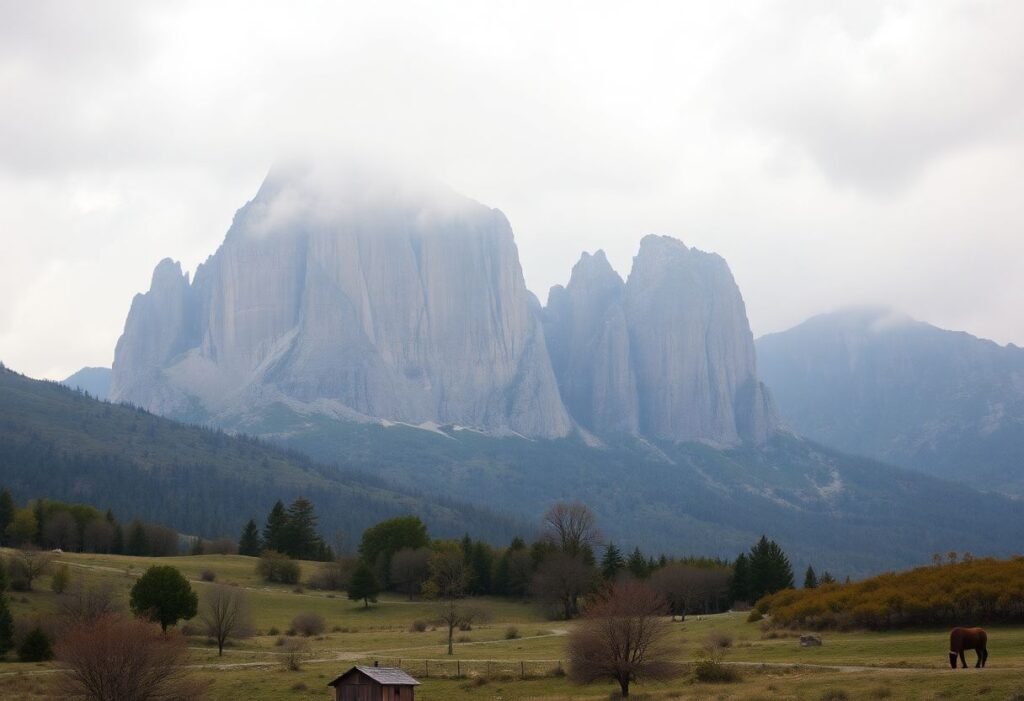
865	153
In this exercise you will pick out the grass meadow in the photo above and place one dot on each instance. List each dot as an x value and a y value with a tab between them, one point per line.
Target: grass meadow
490	663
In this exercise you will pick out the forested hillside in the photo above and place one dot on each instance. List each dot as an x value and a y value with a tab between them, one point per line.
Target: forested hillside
60	444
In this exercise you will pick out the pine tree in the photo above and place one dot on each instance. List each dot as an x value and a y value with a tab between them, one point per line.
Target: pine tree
275	531
637	564
810	579
739	590
770	570
364	585
826	578
301	540
249	543
612	562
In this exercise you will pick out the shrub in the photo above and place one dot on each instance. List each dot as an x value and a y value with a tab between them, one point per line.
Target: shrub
754	616
418	627
834	695
465	625
278	567
208	575
308	623
882	692
511	633
60	579
719	640
331	576
296	652
35	647
273	631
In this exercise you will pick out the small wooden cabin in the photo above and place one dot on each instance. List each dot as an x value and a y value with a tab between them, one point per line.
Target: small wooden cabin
374	684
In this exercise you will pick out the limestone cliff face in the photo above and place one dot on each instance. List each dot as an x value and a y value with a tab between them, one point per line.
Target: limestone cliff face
667	355
393	300
692	347
588	338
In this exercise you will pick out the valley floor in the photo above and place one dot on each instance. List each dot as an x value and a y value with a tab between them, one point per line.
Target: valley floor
492	663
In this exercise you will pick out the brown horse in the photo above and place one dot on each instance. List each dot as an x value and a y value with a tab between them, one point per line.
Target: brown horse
961	639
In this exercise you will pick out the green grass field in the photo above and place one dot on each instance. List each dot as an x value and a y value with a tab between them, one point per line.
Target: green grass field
487	664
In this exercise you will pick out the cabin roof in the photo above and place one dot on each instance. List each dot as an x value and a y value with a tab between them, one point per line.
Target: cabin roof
392	676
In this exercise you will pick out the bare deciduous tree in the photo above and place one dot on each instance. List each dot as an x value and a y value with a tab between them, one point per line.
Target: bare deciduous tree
115	658
622	637
410	569
689	589
28	564
573	527
448	580
81	604
225	613
561	580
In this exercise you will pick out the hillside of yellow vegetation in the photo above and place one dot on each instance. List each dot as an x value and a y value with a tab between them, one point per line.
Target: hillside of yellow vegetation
965	593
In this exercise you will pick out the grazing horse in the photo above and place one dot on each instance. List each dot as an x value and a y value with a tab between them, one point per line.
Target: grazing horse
961	639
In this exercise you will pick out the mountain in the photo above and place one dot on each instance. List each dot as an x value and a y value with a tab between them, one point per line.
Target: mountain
848	514
349	293
95	381
878	383
60	444
668	354
366	297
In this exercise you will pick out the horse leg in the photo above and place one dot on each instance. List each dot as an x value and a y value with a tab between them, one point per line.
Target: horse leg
981	658
984	656
963	660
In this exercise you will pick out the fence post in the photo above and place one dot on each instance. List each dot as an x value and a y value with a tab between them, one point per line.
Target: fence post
426	668
458	668
522	669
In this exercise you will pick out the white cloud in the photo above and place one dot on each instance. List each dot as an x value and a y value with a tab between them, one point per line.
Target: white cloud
863	153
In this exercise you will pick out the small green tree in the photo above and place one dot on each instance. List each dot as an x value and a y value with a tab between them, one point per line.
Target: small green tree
275	532
7	510
810	579
60	579
35	647
249	543
163	595
364	585
739	589
637	565
612	562
385	539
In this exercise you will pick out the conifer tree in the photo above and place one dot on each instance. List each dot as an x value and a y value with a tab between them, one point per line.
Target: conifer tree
301	540
275	531
810	579
249	543
637	564
612	562
739	590
770	570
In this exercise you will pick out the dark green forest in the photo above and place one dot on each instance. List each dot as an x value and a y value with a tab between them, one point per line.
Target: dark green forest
57	443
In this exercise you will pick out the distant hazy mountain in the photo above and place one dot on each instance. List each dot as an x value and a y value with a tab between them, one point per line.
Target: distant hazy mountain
95	381
59	444
364	297
877	383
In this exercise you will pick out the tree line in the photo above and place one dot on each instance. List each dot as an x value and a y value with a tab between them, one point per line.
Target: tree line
56	525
